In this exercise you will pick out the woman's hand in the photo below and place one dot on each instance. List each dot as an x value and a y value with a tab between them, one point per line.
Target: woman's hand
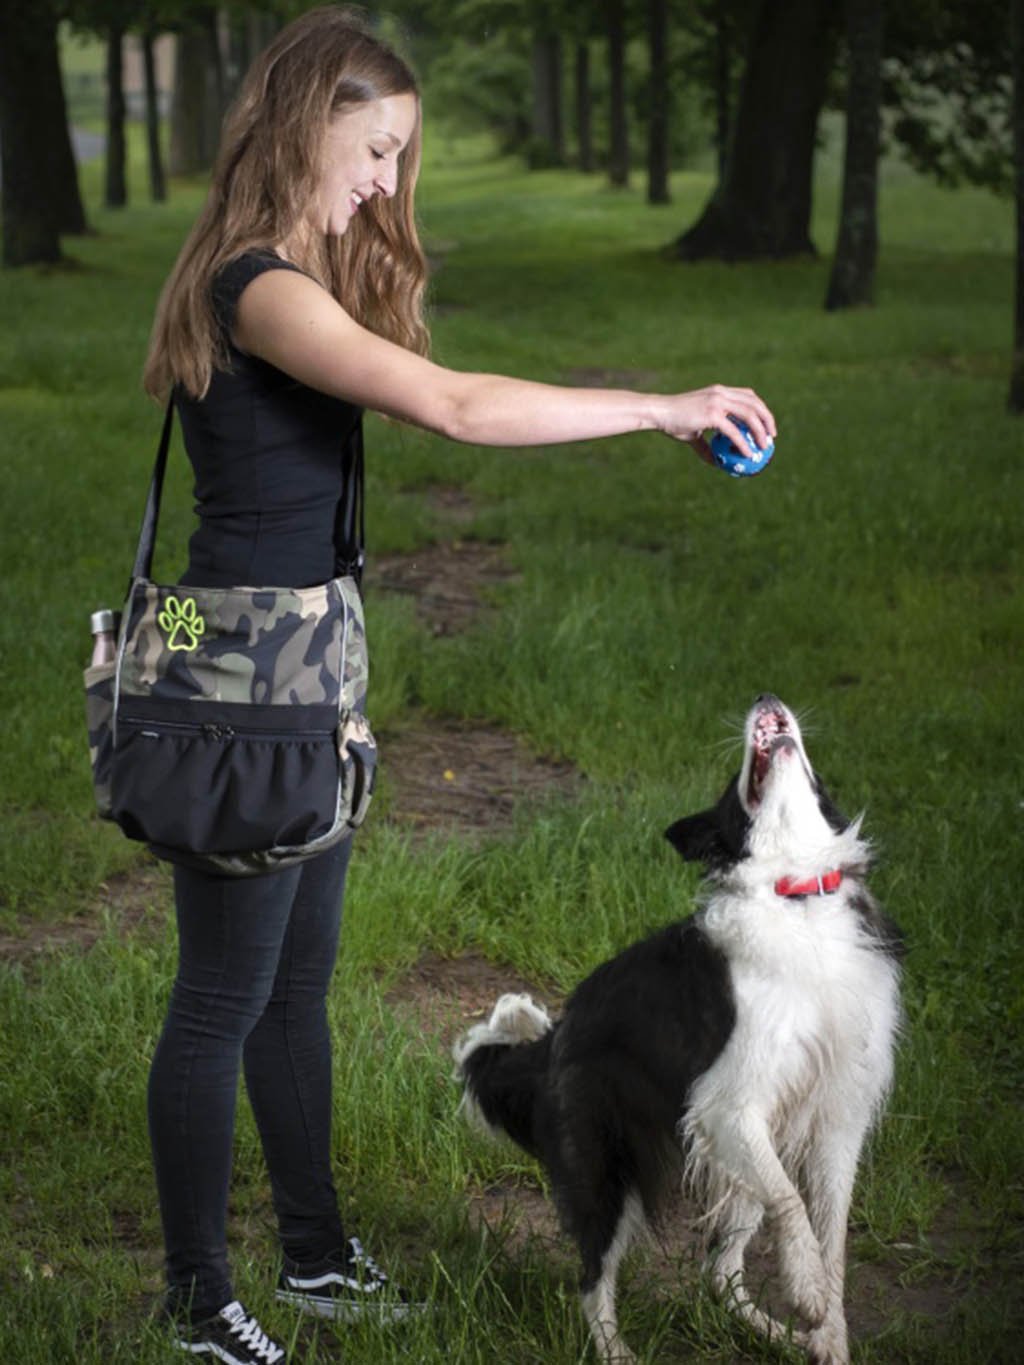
687	416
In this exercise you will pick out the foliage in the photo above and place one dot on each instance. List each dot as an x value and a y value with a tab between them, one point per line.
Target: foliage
948	90
482	84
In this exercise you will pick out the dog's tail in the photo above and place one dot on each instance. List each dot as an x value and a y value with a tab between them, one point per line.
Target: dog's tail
503	1068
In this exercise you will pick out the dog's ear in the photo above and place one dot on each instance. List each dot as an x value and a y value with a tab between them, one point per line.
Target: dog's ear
716	837
697	838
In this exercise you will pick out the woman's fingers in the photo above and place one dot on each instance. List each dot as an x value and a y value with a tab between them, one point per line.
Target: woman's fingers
749	408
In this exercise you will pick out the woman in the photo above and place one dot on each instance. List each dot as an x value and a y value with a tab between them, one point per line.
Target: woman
295	303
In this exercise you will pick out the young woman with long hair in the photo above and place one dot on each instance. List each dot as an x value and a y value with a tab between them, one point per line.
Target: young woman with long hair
295	303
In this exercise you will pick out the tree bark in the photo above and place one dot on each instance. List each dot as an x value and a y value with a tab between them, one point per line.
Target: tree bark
157	179
852	281
31	194
1016	398
584	121
61	156
197	105
723	87
762	206
548	127
116	186
618	151
658	157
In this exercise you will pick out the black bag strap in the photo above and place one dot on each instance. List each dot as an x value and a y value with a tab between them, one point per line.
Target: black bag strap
147	535
349	521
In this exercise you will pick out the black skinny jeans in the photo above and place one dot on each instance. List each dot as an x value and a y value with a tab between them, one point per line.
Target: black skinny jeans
255	960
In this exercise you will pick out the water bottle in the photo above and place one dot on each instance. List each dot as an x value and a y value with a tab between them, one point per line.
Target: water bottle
103	625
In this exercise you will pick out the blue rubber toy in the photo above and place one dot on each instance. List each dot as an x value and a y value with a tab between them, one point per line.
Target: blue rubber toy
741	463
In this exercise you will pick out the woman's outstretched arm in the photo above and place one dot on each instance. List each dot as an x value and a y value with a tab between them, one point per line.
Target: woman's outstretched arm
288	320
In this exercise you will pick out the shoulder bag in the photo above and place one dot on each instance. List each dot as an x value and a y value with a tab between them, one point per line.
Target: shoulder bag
228	732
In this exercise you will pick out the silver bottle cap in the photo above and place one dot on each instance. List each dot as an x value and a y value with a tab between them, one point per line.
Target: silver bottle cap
100	622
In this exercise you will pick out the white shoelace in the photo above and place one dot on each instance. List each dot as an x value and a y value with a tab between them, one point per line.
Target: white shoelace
360	1258
252	1335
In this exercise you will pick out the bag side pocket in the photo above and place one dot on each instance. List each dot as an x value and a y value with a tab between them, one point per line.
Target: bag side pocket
99	723
357	750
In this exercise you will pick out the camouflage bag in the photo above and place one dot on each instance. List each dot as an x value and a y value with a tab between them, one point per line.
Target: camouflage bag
229	730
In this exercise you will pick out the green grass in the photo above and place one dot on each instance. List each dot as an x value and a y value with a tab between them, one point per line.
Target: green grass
871	579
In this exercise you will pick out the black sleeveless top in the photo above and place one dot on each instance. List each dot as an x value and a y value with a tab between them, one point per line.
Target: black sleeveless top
267	456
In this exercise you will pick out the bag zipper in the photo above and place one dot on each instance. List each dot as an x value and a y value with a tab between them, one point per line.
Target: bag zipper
217	730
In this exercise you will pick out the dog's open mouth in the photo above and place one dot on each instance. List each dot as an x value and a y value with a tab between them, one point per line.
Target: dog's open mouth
772	730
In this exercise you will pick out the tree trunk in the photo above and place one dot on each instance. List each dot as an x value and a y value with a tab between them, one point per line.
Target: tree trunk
31	194
658	124
762	207
618	151
240	51
61	157
261	29
116	190
1016	401
853	270
723	86
584	121
157	179
548	128
197	105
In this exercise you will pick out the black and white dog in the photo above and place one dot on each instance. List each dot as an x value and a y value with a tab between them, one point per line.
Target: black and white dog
752	1042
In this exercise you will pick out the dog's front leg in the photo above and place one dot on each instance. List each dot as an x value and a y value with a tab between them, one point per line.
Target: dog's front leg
742	1144
829	1172
737	1223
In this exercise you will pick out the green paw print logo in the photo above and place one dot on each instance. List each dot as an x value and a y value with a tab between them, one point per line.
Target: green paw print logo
181	623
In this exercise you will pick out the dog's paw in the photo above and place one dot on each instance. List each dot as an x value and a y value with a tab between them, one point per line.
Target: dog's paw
805	1283
615	1352
827	1344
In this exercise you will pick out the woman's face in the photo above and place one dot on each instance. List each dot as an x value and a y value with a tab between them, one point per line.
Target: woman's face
361	157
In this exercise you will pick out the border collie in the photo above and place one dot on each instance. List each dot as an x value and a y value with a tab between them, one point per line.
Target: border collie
748	1047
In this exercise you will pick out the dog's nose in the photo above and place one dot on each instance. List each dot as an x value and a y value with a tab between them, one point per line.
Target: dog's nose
767	699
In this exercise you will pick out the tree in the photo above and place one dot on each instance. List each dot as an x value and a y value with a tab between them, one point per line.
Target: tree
852	280
198	101
1016	402
584	121
31	113
618	149
761	207
660	103
157	179
548	129
723	84
116	180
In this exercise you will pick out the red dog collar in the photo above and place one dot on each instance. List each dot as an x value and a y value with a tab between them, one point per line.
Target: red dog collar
824	885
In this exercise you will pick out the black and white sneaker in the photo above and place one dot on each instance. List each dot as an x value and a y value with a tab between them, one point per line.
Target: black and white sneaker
231	1336
346	1287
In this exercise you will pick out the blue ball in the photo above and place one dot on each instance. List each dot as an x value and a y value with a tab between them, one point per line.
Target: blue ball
741	463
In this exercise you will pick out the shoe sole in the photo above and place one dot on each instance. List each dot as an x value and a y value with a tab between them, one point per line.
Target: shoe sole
344	1310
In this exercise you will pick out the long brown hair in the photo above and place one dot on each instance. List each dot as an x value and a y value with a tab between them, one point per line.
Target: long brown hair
267	174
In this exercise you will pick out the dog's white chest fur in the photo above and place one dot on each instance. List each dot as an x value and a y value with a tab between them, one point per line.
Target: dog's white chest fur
816	1011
